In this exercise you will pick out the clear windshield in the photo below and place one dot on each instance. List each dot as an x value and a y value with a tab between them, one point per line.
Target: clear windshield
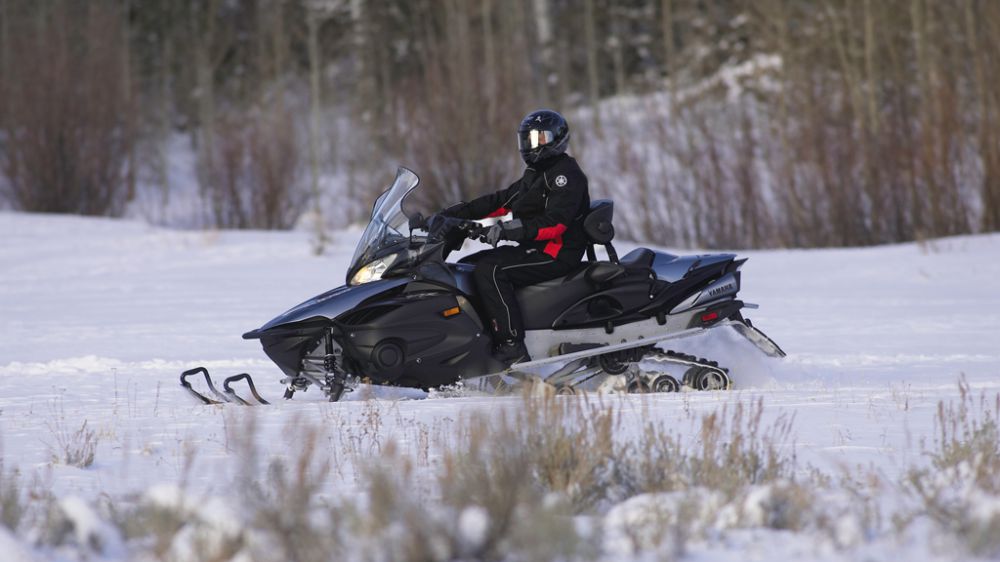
389	223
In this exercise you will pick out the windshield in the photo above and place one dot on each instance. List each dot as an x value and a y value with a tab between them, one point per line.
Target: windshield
389	223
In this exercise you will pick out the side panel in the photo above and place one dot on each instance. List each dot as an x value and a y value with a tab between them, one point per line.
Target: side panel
726	286
623	297
416	339
686	289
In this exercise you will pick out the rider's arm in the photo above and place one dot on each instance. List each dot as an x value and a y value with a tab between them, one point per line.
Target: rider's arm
562	206
489	205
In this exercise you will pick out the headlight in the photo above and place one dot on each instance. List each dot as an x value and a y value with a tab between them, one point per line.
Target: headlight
373	271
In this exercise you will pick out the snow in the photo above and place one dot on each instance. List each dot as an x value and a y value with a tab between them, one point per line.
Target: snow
89	530
473	524
98	317
635	525
12	549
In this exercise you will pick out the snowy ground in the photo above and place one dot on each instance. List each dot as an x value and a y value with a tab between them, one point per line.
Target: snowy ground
98	317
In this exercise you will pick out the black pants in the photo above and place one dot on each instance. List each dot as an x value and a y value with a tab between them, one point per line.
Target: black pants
498	272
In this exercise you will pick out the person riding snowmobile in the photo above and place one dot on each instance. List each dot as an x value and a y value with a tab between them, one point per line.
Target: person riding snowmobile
548	204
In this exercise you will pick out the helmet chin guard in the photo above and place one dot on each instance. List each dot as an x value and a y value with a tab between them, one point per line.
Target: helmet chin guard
543	134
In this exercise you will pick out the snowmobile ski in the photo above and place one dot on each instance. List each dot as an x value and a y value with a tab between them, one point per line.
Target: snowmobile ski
228	396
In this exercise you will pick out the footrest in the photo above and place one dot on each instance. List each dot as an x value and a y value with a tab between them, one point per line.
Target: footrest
565	348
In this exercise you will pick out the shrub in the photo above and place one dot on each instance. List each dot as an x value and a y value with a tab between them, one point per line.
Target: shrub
250	173
66	128
73	448
960	491
11	506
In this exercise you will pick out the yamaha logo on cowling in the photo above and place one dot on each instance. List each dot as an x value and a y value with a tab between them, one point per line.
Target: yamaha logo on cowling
719	290
561	181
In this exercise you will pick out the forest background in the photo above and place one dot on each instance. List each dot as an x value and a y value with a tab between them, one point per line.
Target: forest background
726	123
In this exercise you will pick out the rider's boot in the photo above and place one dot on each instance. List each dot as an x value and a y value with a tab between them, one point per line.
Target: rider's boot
511	351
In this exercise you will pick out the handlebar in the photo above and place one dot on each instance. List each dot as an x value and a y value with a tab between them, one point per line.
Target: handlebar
472	229
440	226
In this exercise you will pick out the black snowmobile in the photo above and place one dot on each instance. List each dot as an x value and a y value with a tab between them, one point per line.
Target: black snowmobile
409	318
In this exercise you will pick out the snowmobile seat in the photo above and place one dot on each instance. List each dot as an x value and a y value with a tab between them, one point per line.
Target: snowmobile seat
543	302
599	228
639	258
600	272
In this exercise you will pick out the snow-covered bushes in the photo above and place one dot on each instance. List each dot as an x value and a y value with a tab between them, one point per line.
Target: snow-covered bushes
285	510
960	491
557	477
731	451
482	506
11	506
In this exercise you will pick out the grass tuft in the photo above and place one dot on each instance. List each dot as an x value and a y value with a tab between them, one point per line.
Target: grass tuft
12	508
72	447
960	491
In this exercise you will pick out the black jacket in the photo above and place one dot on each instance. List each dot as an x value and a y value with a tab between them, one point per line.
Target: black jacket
551	199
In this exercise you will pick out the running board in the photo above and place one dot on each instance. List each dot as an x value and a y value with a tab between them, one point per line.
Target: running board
602	349
755	336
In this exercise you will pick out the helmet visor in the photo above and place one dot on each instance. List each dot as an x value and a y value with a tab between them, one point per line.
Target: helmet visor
533	138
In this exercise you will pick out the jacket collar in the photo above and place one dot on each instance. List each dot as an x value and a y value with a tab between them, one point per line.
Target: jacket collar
544	165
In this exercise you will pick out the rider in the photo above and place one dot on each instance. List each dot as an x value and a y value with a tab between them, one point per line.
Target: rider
548	204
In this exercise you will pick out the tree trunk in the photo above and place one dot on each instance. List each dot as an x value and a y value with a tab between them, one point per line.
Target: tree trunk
4	60
590	43
617	44
489	60
162	121
312	22
667	23
989	153
204	78
130	119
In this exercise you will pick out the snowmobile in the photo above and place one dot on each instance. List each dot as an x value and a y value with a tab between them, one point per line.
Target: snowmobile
407	317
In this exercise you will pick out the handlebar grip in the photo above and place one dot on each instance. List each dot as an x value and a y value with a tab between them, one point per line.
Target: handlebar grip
472	228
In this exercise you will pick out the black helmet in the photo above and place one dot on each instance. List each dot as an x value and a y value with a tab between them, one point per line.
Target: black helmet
542	134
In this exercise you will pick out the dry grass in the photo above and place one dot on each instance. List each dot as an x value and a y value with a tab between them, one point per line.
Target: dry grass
488	509
566	478
960	491
12	506
66	116
732	451
285	508
73	447
155	527
515	485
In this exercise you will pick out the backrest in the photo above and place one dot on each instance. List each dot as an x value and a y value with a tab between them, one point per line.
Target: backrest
597	223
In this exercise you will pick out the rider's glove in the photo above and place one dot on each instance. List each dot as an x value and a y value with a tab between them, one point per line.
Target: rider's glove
437	225
418	222
510	230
